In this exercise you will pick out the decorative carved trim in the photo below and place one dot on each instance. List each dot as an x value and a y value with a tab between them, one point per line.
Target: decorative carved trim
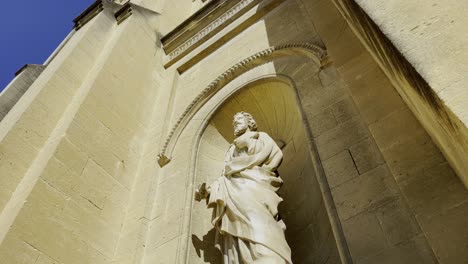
88	14
260	12
194	23
123	13
312	51
215	24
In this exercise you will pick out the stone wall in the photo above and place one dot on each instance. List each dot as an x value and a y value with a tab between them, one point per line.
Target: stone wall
415	209
373	150
79	148
20	84
73	155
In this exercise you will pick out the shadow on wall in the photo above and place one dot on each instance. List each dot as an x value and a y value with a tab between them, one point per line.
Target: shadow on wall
210	253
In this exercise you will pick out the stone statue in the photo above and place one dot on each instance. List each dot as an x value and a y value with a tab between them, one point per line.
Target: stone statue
244	199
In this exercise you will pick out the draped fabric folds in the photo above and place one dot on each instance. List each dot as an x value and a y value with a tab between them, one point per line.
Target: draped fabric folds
245	203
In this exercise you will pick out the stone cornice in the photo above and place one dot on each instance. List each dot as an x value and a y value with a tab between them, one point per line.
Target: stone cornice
123	13
193	24
90	12
262	10
195	31
215	25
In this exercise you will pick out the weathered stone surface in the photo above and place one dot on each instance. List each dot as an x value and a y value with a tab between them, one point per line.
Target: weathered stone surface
340	138
434	190
449	225
15	250
340	168
366	156
365	192
364	235
397	222
322	122
414	251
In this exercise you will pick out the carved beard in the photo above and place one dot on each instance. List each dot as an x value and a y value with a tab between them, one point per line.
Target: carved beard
239	130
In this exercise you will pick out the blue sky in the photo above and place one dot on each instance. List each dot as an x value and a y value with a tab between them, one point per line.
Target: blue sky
32	29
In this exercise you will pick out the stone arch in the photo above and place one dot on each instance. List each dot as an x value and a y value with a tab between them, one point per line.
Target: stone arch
306	50
315	88
273	102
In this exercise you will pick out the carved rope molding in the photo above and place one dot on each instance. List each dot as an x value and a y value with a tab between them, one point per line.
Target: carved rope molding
210	27
310	50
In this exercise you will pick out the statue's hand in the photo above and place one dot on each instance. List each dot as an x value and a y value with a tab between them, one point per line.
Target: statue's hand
201	192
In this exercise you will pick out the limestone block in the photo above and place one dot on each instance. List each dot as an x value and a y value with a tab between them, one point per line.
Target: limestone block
128	243
165	254
366	155
88	226
364	235
113	211
40	223
55	97
14	170
125	259
163	229
169	194
95	184
43	259
353	47
327	17
449	225
340	168
137	206
316	98
35	124
397	222
374	95
60	177
17	148
411	252
433	190
411	155
100	104
365	192
322	122
15	157
16	251
71	156
396	127
94	138
344	110
341	138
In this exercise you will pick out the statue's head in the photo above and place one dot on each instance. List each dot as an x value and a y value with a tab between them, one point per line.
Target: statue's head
243	122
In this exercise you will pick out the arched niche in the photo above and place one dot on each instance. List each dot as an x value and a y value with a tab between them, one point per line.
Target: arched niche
273	103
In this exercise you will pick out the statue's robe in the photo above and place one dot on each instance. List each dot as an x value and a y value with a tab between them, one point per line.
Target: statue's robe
245	203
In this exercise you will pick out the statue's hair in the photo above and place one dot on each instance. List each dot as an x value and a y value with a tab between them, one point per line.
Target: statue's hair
250	120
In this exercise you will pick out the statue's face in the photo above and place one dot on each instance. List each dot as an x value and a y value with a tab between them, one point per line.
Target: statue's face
240	124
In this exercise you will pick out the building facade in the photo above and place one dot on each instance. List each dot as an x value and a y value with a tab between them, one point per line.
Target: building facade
102	146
